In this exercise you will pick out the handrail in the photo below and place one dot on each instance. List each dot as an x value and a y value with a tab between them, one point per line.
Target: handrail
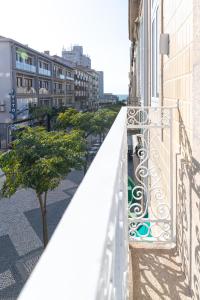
86	259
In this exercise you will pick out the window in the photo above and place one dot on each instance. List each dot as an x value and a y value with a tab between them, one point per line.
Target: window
46	85
29	60
18	57
155	52
28	82
19	81
46	66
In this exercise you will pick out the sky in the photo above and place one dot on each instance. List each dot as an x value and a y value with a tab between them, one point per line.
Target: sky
100	26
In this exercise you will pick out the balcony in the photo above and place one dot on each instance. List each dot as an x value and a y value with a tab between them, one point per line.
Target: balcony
25	90
61	76
69	93
44	72
109	221
44	91
26	67
69	78
58	92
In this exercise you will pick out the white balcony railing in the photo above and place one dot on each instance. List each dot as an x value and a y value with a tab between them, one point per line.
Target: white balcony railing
44	72
26	67
87	257
152	208
70	78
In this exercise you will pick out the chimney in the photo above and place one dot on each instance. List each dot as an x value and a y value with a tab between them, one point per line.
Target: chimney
47	52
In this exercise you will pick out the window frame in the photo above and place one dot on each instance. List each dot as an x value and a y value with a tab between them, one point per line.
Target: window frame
155	64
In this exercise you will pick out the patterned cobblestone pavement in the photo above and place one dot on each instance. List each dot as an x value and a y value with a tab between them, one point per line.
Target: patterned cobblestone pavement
21	232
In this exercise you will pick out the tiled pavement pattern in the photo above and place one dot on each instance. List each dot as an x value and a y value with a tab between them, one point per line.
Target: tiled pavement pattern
21	232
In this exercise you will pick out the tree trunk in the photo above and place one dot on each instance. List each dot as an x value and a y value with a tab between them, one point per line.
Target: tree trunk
44	218
45	228
48	123
100	137
85	164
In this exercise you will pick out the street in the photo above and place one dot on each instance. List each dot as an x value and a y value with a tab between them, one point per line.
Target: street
21	232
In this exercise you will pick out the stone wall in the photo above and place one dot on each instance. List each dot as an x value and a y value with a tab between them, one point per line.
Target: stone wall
182	83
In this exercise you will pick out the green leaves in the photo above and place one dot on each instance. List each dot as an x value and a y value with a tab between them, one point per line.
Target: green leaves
65	119
87	122
40	159
103	120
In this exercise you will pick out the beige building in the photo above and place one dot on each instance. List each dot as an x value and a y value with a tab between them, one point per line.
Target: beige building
165	72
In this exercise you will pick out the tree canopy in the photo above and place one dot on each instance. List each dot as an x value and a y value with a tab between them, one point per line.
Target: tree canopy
40	159
103	120
65	119
88	122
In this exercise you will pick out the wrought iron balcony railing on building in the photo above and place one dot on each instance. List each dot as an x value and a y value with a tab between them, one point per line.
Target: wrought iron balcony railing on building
151	205
104	217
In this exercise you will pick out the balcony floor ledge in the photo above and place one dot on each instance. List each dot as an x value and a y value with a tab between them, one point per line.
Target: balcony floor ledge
156	274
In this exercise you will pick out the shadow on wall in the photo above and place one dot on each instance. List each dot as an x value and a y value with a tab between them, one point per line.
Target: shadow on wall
188	204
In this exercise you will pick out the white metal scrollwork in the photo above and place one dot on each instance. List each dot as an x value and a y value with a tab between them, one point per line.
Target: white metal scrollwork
151	204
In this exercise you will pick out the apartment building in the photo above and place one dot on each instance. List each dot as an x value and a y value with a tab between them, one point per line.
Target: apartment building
76	56
108	98
101	84
164	78
30	78
81	86
63	71
93	89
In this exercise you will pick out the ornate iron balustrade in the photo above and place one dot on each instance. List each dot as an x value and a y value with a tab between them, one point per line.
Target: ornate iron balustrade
151	207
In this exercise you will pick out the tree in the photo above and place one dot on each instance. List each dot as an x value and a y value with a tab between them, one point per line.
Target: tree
102	121
40	160
83	121
65	119
42	114
88	123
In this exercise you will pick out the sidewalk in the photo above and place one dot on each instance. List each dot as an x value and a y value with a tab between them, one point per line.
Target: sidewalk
21	231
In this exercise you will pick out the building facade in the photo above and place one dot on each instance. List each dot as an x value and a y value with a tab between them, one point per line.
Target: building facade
94	89
30	78
101	84
76	56
81	83
165	73
108	98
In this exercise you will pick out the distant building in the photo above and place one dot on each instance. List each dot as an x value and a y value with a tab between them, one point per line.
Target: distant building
94	89
101	84
86	85
76	56
108	98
